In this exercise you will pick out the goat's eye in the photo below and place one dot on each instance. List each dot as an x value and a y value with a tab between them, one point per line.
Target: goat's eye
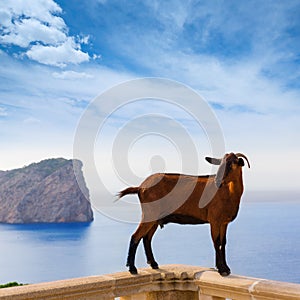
241	162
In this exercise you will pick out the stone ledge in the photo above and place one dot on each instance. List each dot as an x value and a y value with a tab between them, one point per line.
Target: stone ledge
168	279
268	288
240	287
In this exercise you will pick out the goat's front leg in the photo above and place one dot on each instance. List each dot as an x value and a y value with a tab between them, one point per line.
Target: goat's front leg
218	233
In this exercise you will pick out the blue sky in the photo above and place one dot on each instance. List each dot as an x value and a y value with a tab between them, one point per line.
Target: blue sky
241	57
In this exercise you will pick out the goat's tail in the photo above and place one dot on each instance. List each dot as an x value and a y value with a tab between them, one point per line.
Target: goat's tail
128	191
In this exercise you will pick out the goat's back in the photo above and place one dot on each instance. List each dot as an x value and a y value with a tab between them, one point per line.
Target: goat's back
170	185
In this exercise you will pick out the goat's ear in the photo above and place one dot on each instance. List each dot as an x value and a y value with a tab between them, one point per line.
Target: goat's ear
241	162
213	161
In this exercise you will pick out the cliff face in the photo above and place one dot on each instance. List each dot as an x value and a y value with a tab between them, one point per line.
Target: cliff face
45	192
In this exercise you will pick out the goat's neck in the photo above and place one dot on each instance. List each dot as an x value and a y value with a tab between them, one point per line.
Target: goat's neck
235	187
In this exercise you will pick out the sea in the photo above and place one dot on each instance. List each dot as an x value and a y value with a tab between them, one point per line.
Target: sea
263	242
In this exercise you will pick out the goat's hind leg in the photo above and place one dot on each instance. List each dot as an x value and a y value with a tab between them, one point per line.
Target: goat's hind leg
141	231
131	255
148	249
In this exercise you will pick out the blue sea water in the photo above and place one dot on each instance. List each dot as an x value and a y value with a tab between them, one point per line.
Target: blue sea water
263	242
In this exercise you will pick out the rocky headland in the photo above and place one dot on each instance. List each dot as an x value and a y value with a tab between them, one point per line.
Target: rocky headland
46	192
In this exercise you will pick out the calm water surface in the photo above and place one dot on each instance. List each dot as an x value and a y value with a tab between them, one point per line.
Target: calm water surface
262	242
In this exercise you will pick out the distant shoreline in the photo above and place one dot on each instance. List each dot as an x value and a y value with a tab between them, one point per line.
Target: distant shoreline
271	196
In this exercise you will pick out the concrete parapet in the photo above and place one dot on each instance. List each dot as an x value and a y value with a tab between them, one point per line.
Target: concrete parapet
176	282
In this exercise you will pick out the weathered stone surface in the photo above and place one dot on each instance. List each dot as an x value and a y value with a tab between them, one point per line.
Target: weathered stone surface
47	191
182	282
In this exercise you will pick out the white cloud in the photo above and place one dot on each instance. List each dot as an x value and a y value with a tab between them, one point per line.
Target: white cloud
96	56
27	31
60	56
42	10
71	75
32	120
42	33
3	112
84	39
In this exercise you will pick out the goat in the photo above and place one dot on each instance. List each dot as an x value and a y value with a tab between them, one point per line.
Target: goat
176	198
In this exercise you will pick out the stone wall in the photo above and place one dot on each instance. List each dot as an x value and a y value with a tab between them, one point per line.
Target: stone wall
176	282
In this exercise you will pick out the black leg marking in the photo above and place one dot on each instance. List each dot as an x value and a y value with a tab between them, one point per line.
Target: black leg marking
131	256
219	239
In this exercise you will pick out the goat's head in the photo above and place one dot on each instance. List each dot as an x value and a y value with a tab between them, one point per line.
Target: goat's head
230	162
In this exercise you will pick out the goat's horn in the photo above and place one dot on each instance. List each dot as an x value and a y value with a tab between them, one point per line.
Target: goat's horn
243	156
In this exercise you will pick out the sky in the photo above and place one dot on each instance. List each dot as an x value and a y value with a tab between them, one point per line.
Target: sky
241	57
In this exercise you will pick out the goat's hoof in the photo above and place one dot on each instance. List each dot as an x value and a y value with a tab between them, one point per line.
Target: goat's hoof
224	270
133	270
225	273
154	265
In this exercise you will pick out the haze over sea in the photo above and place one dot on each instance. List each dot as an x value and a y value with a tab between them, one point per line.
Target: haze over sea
262	242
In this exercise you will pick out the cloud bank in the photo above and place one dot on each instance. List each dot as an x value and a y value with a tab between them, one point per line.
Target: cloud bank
243	58
40	33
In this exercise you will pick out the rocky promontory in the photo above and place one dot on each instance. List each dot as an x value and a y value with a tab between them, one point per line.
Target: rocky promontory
46	192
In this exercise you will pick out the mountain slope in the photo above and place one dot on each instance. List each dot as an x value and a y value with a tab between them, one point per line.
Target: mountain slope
45	192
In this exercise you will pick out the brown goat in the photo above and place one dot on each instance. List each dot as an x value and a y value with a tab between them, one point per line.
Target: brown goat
175	198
